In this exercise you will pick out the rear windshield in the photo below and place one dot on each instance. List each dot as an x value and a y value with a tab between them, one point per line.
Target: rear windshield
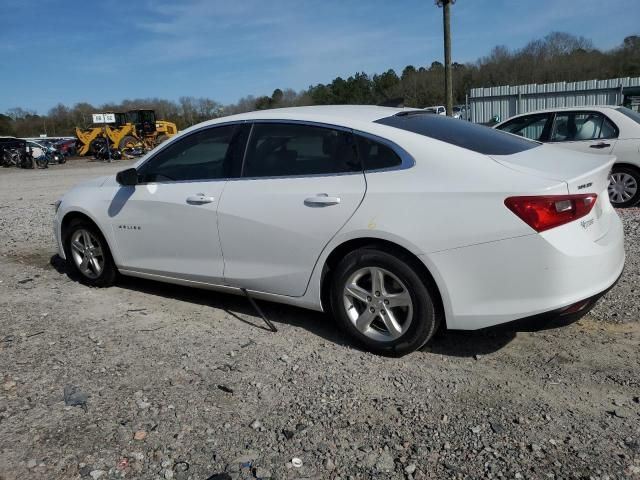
635	116
458	132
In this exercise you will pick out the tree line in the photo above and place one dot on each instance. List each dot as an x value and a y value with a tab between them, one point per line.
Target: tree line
554	58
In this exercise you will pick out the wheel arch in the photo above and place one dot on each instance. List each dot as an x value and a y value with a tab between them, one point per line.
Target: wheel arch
76	214
632	166
388	246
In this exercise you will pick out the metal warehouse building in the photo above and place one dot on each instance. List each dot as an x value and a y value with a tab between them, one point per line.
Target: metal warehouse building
506	101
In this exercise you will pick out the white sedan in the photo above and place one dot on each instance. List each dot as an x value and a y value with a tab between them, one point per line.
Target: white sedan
397	221
599	129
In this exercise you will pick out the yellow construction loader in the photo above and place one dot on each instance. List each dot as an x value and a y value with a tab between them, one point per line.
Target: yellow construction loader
134	129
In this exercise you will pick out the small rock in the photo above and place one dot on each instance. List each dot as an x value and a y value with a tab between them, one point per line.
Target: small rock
256	425
140	435
409	469
168	474
96	474
385	462
329	465
296	462
262	473
496	427
74	397
477	356
476	429
284	358
8	385
32	464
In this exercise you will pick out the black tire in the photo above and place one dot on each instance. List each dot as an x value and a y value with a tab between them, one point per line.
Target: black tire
43	160
127	141
631	172
109	271
96	145
424	321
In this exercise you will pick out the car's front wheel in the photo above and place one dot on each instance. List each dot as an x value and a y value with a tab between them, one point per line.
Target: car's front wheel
88	254
381	301
624	186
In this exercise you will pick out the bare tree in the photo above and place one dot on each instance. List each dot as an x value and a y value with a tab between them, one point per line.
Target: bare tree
448	83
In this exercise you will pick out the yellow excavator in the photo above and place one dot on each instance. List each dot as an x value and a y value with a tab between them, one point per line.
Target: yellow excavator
133	129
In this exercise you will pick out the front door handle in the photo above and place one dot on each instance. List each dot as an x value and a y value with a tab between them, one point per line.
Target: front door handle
321	200
600	145
199	199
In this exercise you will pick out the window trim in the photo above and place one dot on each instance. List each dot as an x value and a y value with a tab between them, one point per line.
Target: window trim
406	159
181	137
575	112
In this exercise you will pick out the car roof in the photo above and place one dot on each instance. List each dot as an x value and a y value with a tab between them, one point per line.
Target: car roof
568	109
341	114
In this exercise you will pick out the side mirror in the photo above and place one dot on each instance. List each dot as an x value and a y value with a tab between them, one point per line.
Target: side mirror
128	177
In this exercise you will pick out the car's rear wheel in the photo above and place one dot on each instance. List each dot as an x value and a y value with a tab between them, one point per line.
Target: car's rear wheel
381	301
88	254
624	186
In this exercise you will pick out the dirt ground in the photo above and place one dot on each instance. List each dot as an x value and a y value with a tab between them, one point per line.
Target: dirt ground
167	382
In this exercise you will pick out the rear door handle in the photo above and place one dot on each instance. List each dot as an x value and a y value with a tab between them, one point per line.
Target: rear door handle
321	200
199	199
600	145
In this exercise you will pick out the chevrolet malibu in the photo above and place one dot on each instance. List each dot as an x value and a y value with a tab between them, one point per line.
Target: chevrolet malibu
397	221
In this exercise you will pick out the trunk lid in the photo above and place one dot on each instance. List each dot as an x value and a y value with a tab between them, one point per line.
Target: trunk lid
583	173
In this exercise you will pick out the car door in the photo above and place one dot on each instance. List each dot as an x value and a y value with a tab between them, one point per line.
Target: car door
584	131
167	224
300	184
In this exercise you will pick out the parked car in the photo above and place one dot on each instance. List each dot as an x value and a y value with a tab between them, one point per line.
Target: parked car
460	111
605	130
42	149
66	147
438	110
396	221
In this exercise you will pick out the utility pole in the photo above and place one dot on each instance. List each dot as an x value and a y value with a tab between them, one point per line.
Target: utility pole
448	83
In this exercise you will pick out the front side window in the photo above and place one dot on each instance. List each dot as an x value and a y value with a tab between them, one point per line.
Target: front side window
529	126
280	149
209	154
579	126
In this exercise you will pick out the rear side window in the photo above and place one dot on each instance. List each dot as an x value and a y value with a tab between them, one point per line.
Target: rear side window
635	116
578	126
376	155
280	149
457	132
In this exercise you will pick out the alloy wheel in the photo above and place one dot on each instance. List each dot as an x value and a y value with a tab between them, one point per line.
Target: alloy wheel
378	303
87	253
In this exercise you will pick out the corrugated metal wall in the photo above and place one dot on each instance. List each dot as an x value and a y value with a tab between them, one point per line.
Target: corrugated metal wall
507	101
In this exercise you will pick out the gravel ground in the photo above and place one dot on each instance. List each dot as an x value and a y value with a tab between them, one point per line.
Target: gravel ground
148	381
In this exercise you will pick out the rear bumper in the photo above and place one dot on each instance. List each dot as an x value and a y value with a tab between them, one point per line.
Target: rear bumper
555	318
498	282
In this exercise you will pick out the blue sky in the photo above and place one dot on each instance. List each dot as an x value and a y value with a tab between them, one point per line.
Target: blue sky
106	50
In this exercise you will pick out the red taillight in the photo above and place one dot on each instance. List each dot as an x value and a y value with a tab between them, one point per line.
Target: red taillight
549	211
